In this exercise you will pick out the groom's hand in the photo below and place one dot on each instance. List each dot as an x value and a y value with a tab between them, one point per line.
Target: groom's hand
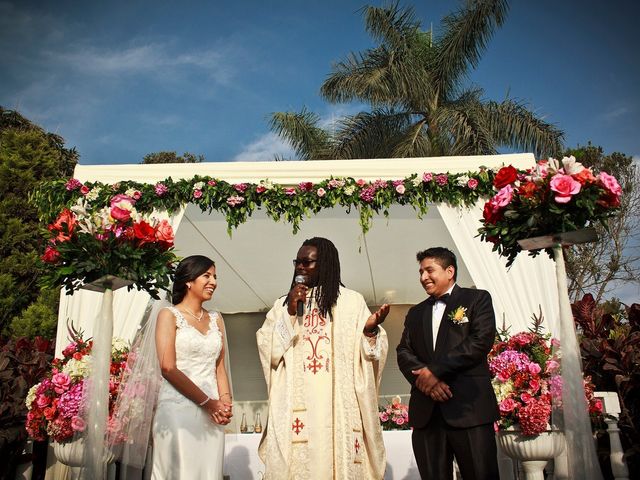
425	380
441	392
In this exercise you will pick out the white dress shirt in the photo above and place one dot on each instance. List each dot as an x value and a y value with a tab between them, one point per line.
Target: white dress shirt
436	316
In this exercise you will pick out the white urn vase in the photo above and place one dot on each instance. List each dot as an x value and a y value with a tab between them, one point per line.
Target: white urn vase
533	451
72	453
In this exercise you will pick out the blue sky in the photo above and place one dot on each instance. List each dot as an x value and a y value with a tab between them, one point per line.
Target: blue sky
121	79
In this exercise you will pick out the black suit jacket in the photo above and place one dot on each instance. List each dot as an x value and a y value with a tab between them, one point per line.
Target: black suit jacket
459	359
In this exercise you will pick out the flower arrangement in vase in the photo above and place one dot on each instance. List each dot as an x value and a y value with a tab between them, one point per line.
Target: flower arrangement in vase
86	245
553	197
395	415
527	380
55	404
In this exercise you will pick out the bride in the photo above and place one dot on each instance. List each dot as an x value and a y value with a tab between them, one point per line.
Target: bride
176	385
194	401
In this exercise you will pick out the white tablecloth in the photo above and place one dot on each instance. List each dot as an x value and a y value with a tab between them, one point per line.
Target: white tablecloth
241	461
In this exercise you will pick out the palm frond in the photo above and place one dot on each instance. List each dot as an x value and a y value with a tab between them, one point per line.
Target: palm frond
369	134
465	37
414	142
513	124
381	78
392	25
301	130
465	123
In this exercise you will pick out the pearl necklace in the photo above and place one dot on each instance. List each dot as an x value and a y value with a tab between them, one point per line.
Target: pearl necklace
198	318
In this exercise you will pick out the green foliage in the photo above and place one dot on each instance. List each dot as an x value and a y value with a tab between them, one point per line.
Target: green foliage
610	348
172	157
28	155
414	85
38	319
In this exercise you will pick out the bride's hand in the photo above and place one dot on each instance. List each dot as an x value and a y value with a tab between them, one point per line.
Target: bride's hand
219	411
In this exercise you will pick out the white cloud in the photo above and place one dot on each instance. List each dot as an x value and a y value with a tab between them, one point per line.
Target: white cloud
265	148
614	113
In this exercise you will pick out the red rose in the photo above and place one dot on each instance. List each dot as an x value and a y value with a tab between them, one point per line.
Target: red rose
50	255
505	176
492	213
144	232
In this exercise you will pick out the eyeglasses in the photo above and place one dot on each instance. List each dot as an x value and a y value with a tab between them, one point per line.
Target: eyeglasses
305	262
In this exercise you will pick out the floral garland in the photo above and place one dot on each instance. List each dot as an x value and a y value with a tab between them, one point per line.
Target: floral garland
238	201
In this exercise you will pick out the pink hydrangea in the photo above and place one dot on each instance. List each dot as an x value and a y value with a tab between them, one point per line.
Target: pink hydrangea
73	184
367	194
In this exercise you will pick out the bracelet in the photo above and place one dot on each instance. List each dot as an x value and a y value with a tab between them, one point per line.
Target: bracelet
371	333
204	401
225	394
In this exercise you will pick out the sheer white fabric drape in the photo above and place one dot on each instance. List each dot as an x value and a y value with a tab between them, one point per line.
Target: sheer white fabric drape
517	293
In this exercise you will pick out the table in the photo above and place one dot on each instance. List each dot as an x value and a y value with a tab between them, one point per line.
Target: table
241	459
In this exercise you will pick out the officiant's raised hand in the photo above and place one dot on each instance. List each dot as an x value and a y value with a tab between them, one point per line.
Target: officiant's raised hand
371	327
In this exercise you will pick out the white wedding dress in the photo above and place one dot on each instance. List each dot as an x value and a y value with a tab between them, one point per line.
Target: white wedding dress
186	442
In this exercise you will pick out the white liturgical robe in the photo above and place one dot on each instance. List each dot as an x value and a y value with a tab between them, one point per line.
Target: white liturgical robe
323	376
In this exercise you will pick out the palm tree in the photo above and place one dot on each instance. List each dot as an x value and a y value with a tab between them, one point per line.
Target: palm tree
414	86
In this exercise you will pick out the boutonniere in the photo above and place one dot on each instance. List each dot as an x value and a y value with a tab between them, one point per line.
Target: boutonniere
459	316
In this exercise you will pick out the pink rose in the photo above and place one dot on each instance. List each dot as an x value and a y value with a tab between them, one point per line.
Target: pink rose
360	182
197	193
121	206
383	416
290	191
78	424
42	401
565	187
503	197
508	405
61	382
472	183
400	189
84	189
321	192
240	187
211	183
427	177
399	421
261	188
164	233
610	183
534	368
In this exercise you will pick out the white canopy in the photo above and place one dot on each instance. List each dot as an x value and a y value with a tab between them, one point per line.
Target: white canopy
254	265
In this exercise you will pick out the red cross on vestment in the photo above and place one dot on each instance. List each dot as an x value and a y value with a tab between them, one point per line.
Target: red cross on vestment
357	445
297	426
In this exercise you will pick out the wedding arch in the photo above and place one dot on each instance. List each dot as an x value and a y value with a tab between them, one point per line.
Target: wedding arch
253	256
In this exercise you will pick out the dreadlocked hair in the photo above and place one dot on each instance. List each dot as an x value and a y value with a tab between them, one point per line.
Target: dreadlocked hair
328	266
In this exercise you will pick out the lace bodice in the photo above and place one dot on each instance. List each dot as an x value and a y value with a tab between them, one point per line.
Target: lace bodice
196	356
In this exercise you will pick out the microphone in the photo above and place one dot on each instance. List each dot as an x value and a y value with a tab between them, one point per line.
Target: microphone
300	306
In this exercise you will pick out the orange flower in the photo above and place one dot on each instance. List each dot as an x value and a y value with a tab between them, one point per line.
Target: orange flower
63	226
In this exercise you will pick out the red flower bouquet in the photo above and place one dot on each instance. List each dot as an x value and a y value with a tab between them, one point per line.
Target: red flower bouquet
551	198
528	382
83	247
55	405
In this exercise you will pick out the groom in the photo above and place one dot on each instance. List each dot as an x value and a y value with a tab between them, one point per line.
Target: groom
443	354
